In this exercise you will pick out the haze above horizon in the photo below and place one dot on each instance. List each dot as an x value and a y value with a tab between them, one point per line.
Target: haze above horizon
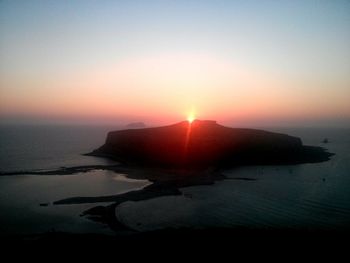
246	62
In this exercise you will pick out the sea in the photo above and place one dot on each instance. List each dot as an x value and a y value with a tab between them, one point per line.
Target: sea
307	196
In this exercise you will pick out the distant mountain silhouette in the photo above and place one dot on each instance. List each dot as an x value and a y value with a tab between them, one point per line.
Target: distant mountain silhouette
135	125
204	144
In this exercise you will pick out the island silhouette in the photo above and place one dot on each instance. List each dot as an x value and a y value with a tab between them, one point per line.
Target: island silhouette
202	144
185	154
177	156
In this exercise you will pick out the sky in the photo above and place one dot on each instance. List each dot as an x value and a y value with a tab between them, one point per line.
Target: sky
240	62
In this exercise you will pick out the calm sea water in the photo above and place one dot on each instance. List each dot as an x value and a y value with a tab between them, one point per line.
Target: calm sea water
49	147
308	195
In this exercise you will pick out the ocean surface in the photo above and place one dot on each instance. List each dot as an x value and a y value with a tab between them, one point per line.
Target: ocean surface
308	196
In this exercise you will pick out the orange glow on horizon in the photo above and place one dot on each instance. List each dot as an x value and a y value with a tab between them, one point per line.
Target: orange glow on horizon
162	88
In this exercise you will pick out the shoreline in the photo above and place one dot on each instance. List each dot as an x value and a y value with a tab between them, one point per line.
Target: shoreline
165	181
64	170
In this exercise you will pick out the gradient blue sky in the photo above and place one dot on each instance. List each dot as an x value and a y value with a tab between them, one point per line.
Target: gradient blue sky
241	61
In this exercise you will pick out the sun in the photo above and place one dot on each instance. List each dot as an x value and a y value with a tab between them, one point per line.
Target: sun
191	117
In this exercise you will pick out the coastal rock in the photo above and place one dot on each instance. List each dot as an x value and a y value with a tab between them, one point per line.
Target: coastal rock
206	144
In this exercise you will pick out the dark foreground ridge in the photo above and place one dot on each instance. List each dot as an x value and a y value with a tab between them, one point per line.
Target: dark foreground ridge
204	144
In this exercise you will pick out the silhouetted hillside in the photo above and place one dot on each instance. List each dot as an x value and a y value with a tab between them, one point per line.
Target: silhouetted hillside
206	144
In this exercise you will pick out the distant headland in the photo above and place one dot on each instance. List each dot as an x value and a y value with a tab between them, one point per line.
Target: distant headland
135	125
204	144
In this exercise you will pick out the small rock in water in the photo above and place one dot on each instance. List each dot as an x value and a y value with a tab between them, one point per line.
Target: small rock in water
44	204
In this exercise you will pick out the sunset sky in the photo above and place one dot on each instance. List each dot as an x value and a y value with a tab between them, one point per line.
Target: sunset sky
240	62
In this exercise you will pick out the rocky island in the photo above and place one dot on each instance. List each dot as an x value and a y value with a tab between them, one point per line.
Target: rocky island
203	144
186	154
